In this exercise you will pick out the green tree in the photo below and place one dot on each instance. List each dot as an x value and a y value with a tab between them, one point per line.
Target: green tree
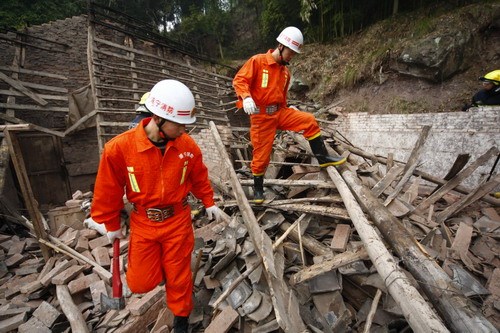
21	13
277	15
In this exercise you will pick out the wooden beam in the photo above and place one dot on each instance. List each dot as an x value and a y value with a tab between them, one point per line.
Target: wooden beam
459	313
455	181
329	265
290	183
34	107
70	309
32	72
480	192
19	87
411	164
424	175
14	120
79	122
416	310
16	156
286	306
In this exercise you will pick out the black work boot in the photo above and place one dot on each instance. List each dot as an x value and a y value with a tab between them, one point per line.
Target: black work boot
319	150
180	324
258	189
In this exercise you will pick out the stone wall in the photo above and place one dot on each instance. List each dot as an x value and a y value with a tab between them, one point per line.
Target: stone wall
472	132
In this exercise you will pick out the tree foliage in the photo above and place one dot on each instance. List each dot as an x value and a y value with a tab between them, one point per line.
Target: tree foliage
18	14
237	27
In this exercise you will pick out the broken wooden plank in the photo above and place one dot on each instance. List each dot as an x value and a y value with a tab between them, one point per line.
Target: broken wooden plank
70	310
411	164
460	313
452	183
290	183
424	175
24	183
21	88
387	180
338	213
341	237
328	265
224	321
475	195
416	310
80	121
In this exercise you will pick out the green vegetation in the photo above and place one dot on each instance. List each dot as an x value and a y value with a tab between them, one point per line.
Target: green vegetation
215	27
399	105
423	27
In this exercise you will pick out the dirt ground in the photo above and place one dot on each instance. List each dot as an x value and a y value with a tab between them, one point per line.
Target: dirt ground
356	72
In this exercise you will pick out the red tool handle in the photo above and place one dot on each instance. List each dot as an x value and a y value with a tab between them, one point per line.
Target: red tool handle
117	282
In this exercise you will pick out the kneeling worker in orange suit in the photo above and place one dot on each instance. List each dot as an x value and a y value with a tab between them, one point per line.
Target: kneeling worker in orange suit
157	164
262	86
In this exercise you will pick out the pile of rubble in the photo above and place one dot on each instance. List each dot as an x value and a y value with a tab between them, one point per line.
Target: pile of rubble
368	247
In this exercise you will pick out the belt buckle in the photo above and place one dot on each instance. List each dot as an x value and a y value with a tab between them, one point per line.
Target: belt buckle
167	212
155	214
270	109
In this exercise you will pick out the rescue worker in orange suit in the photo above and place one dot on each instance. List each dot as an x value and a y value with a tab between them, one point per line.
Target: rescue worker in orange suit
262	85
157	164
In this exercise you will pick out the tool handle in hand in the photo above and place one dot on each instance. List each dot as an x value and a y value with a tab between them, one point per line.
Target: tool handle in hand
117	282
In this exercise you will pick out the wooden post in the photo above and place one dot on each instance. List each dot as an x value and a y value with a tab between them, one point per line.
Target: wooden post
417	312
94	81
24	183
459	313
286	306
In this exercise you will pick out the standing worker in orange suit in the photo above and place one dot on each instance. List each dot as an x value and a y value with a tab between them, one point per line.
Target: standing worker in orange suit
157	164
262	86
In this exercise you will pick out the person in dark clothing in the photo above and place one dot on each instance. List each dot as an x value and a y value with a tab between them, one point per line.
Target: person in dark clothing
490	94
141	112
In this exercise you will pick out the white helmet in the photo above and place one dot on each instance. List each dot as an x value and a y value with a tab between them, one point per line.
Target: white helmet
292	38
172	100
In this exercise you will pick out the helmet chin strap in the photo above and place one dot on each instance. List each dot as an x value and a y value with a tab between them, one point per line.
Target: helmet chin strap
282	62
163	135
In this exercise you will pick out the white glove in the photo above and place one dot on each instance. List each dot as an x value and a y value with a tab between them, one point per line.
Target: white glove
91	224
249	106
112	235
214	211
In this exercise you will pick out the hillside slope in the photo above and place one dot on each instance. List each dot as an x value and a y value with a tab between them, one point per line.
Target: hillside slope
361	72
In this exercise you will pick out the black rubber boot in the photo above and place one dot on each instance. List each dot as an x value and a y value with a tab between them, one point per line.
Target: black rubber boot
319	150
180	324
258	189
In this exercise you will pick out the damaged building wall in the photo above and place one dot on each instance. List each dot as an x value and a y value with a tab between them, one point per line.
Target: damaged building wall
452	133
52	61
57	50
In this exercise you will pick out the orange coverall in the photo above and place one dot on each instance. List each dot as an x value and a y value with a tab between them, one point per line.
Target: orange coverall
158	251
267	83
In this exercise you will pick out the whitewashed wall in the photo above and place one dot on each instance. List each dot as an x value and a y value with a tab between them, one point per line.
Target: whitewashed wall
452	133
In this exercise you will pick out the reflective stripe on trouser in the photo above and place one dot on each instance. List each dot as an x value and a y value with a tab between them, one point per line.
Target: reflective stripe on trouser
163	252
263	128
